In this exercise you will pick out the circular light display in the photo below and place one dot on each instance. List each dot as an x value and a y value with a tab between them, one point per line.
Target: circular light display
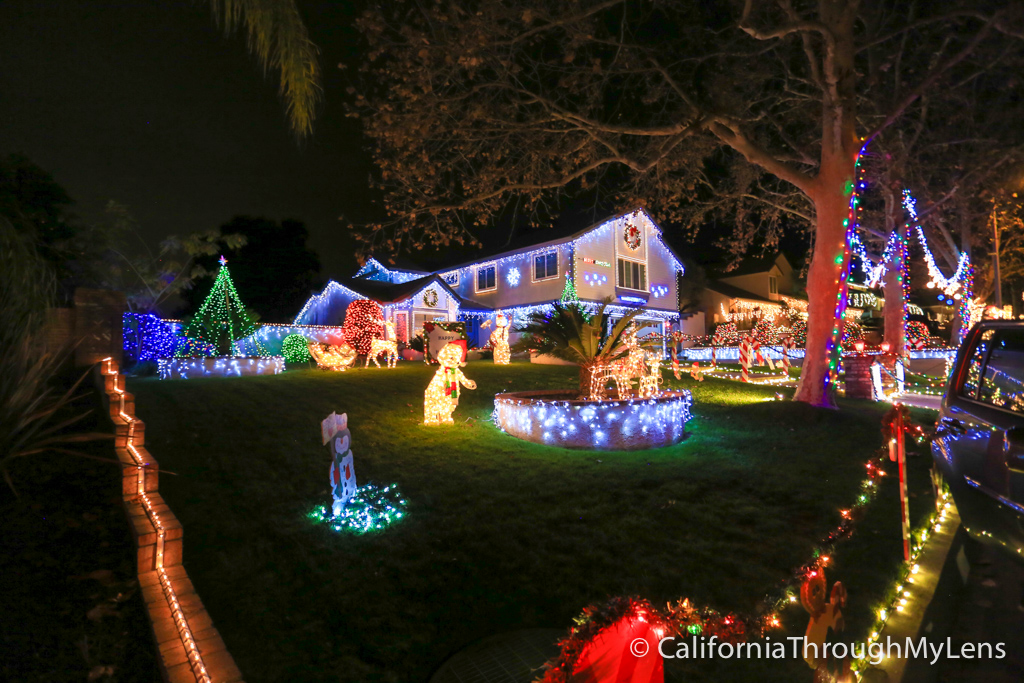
512	277
430	298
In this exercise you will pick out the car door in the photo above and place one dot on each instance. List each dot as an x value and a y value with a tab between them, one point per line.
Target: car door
982	435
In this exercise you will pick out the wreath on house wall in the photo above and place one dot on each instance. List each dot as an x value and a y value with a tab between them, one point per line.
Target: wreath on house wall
430	298
631	235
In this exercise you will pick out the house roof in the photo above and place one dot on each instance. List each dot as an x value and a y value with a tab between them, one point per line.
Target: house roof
394	292
555	237
734	292
760	264
395	264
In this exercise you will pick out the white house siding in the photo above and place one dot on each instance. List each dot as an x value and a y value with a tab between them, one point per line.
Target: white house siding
418	312
328	307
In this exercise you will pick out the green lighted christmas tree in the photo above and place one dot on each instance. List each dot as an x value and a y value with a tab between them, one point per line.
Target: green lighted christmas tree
569	293
221	320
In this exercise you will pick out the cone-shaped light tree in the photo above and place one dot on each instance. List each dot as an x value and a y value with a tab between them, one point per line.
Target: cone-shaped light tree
220	321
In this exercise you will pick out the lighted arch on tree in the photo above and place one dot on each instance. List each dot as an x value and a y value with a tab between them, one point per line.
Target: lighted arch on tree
364	322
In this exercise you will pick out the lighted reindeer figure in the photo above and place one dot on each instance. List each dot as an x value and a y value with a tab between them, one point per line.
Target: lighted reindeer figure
622	370
388	345
649	383
442	394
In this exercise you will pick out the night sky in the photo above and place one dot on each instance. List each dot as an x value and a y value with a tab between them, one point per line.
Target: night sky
146	102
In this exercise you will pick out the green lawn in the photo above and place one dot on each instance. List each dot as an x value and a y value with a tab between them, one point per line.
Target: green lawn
500	534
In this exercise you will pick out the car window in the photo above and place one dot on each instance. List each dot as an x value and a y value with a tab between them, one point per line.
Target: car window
1003	383
970	385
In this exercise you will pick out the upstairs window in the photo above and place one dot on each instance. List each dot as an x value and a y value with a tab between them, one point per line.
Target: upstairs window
632	275
486	278
545	265
773	285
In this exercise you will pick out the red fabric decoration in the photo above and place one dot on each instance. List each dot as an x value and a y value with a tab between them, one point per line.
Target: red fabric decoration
612	656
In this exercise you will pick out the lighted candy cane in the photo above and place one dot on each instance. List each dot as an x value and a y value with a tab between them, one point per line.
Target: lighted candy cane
787	344
897	453
758	358
714	361
746	346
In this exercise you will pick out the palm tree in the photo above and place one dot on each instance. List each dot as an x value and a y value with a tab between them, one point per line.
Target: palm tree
278	38
570	333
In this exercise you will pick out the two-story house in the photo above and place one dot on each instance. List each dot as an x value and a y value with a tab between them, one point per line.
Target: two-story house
759	288
622	259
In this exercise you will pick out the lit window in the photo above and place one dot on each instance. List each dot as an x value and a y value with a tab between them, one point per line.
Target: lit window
545	265
486	278
632	275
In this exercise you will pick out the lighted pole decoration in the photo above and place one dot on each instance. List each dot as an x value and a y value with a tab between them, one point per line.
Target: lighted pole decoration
220	321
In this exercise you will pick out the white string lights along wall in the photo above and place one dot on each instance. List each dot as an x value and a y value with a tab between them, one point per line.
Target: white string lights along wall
628	424
181	624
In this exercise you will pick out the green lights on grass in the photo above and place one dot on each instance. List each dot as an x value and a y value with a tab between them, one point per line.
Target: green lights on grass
371	509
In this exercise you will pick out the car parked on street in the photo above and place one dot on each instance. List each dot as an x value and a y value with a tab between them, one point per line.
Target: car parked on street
979	438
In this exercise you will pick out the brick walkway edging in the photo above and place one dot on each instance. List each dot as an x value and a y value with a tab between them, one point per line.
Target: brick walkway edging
190	648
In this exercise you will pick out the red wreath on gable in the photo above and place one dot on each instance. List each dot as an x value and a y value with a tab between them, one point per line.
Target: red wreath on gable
631	235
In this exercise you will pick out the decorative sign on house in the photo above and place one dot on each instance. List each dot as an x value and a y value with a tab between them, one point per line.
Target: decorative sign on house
437	334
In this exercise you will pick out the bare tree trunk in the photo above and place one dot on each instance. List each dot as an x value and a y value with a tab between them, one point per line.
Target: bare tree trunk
892	289
892	286
831	202
830	192
956	330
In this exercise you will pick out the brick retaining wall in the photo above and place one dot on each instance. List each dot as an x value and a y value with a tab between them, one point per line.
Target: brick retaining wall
190	648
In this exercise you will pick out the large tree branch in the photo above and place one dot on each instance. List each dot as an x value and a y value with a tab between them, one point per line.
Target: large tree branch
975	14
557	23
932	78
797	26
730	133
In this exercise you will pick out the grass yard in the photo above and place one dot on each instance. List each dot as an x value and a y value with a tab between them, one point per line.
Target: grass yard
500	534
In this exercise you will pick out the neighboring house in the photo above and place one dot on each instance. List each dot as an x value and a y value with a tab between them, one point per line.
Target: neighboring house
757	289
623	259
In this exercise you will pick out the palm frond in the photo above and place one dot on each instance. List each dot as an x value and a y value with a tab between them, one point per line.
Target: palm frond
278	38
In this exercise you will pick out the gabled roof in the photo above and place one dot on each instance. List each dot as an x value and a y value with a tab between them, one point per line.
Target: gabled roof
734	292
562	237
395	292
760	264
372	264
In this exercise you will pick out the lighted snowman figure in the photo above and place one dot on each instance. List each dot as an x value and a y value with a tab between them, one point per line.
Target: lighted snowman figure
499	341
442	394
